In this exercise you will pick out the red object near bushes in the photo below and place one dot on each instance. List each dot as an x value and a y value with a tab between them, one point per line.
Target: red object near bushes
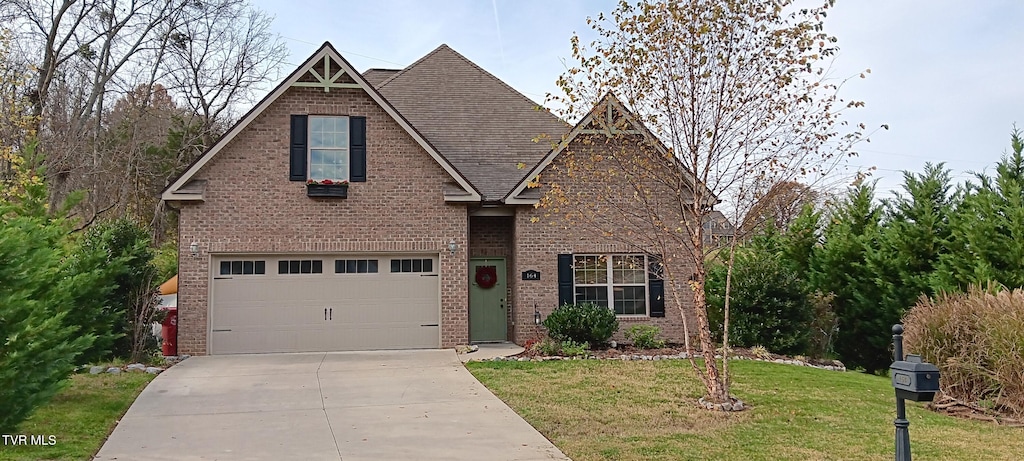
169	332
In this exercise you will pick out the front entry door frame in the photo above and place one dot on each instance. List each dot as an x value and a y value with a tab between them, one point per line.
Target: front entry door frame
488	307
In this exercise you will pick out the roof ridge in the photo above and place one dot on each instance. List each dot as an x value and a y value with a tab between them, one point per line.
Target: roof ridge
410	66
506	85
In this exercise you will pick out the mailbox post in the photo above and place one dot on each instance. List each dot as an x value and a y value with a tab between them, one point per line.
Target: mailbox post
914	380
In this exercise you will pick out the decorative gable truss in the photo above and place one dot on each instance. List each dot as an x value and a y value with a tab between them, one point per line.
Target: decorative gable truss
325	69
611	121
610	118
327	80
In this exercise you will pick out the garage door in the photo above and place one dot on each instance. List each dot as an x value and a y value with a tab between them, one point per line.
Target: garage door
324	303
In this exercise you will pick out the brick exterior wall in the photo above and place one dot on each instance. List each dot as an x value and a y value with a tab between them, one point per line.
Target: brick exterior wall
251	207
541	234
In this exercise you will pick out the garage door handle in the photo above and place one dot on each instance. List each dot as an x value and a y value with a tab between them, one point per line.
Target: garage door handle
429	325
428	275
215	331
331	315
325	313
222	278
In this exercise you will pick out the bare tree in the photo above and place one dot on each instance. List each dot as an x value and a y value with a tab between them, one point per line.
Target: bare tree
141	314
778	206
84	51
738	93
221	55
211	55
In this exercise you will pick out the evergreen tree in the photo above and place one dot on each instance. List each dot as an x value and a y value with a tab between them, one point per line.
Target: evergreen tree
799	241
987	228
841	267
768	299
39	346
914	234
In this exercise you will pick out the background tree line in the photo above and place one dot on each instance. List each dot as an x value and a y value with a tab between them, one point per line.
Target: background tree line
833	280
102	102
121	95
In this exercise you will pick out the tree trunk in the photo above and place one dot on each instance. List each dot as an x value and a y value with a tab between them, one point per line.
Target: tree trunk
718	392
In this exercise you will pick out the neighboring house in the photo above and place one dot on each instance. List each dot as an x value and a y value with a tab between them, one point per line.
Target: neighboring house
718	230
436	241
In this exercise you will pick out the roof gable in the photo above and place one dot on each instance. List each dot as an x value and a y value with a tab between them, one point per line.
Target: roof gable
484	127
326	69
608	117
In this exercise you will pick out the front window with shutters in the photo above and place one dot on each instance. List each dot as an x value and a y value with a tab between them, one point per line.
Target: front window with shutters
618	281
328	148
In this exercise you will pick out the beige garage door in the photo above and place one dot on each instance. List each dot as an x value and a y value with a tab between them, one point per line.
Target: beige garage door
324	303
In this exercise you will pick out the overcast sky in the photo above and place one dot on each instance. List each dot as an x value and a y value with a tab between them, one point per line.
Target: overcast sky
947	76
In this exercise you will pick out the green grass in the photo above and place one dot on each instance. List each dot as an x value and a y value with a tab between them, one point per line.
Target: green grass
80	417
645	410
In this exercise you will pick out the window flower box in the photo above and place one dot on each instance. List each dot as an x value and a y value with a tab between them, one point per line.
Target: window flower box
327	188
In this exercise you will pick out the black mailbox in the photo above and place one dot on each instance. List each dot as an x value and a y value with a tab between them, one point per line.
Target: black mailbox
915	380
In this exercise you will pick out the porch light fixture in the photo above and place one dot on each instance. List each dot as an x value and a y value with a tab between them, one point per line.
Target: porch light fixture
194	249
536	315
453	247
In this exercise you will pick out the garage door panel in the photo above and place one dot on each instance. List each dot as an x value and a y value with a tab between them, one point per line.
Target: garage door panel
264	313
286	312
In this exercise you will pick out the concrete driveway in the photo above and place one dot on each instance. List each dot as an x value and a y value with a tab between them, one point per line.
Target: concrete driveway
393	405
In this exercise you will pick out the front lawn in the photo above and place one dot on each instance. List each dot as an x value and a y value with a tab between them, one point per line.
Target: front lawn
79	417
645	410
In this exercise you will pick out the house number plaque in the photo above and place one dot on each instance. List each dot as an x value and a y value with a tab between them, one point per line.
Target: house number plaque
531	275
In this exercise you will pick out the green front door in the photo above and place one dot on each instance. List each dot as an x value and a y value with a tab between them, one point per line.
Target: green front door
488	311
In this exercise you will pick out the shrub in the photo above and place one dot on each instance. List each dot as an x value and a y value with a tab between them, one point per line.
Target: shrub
548	346
572	348
120	310
583	323
824	325
768	303
165	260
645	336
39	348
977	341
761	352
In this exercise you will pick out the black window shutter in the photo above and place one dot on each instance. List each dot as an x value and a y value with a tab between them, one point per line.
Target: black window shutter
565	288
297	168
656	287
357	149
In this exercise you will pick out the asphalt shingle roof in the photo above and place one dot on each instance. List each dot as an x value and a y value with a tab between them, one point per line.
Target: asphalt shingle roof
377	76
481	125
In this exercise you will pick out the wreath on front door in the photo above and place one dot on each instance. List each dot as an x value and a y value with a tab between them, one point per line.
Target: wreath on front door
486	276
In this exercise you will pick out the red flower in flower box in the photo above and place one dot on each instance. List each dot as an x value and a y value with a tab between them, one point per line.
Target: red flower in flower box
327	188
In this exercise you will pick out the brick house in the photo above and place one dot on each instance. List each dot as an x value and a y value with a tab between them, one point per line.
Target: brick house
433	241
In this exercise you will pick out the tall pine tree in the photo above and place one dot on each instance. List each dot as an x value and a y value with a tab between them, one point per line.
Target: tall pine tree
987	229
841	267
914	234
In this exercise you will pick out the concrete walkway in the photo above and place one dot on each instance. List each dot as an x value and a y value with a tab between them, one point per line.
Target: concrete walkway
393	405
487	351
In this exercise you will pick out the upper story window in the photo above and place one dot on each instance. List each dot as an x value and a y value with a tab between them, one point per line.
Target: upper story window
328	148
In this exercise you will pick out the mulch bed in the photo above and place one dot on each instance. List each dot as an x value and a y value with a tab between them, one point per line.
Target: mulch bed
606	352
967	410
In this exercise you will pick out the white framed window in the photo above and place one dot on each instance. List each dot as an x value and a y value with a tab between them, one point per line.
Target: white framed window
328	156
617	281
